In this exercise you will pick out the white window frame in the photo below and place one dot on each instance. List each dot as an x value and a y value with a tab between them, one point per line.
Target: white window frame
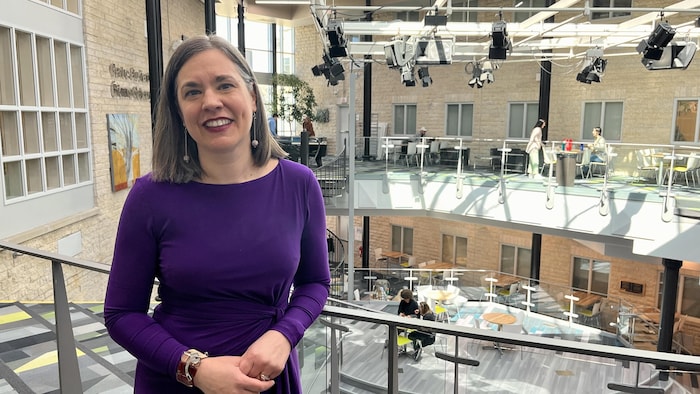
409	120
403	245
696	131
516	257
463	130
464	16
606	120
453	256
598	15
44	180
591	265
520	16
525	123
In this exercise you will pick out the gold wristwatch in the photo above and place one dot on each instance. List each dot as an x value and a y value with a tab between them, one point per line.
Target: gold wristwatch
187	368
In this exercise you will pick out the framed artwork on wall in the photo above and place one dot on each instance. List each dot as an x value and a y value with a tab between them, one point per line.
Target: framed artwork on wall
124	155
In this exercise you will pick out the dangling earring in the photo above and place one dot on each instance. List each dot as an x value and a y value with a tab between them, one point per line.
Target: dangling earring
186	157
254	142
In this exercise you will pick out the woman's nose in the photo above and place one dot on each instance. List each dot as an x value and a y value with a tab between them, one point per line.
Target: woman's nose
211	100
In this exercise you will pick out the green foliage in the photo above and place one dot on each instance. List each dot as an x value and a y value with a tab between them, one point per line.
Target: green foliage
293	98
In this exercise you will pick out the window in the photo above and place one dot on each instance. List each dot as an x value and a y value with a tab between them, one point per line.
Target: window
460	119
68	5
454	249
688	294
522	15
611	4
522	118
464	16
261	57
405	119
607	115
591	275
402	239
408	16
44	131
686	121
515	260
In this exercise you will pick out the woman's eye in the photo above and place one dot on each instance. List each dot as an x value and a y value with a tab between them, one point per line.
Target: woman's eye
190	93
226	86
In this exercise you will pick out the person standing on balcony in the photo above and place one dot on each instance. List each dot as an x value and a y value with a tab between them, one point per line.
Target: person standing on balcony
200	224
308	126
534	145
272	123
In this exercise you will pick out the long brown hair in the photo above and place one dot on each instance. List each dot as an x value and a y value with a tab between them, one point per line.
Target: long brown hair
169	140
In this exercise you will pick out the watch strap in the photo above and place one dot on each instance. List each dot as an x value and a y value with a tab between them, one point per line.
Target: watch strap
188	365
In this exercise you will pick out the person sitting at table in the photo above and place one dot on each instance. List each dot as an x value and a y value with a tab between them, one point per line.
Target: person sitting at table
408	307
597	147
422	338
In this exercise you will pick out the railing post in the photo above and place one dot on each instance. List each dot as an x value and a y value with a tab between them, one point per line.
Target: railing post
393	369
68	371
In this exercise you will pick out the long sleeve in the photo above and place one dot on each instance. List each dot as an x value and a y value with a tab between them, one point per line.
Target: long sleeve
312	280
130	285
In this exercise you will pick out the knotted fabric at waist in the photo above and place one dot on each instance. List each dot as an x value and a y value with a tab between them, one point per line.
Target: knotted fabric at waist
223	310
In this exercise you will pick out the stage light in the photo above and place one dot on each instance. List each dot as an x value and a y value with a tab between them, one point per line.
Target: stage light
336	39
675	56
399	52
407	76
476	81
331	69
652	47
424	76
486	76
594	70
500	43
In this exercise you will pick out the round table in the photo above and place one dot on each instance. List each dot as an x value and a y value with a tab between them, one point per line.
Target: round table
441	295
499	318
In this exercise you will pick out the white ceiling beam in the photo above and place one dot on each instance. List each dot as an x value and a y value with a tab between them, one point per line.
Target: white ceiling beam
544	15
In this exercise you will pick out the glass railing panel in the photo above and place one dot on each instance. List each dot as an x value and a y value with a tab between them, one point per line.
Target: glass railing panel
314	352
510	356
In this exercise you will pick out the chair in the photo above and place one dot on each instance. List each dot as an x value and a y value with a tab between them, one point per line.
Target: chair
585	164
549	157
507	293
592	315
378	258
646	163
441	313
602	165
434	156
410	262
411	151
691	165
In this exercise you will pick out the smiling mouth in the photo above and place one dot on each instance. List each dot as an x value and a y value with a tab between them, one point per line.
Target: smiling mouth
217	123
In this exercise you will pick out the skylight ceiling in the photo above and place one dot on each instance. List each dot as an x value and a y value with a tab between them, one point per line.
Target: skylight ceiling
570	36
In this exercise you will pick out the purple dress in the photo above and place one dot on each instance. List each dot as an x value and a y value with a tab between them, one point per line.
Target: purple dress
226	257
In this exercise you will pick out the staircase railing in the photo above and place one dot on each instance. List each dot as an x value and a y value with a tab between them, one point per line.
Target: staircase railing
333	175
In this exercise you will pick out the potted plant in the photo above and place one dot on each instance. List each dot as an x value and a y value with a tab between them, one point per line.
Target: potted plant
293	98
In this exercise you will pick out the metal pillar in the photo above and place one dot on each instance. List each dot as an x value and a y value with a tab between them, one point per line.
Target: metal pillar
210	17
241	28
668	303
155	54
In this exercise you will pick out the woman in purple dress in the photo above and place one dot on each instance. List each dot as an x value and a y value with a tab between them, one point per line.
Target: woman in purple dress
234	234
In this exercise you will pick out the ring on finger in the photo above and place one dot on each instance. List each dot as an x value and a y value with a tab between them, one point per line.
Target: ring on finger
263	377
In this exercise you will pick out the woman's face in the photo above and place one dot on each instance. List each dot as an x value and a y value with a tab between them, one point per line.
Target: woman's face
215	103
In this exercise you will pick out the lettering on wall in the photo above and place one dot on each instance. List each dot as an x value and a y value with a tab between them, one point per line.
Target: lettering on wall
129	75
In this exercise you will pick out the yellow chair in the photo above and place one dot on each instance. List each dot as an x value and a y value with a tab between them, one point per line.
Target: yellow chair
441	313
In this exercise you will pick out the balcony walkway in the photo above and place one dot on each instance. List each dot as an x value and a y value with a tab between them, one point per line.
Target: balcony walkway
28	362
